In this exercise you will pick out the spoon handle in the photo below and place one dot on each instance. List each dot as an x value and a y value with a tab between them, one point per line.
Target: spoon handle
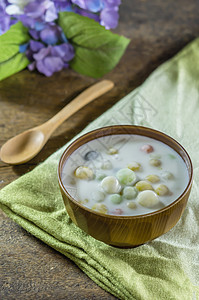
81	100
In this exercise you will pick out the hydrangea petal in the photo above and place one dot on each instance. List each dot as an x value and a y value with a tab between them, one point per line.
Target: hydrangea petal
5	20
39	25
91	5
63	37
49	65
109	18
35	46
94	5
50	35
42	68
21	3
42	53
23	47
34	33
29	54
66	65
14	10
27	21
32	66
65	51
88	14
63	6
54	64
111	3
80	3
51	14
35	9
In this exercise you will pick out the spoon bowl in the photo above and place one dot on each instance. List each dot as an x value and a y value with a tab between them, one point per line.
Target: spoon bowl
26	145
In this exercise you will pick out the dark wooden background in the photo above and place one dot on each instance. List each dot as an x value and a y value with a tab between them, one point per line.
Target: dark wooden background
158	29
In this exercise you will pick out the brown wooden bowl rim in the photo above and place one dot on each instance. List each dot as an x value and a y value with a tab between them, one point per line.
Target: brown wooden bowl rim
118	127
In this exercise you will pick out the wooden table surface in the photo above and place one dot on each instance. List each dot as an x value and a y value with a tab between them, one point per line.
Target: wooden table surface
158	29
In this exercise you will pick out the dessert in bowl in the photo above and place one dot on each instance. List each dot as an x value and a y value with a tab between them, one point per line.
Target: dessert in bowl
125	185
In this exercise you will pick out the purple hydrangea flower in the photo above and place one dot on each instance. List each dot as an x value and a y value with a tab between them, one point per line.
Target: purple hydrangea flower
5	19
44	54
49	50
49	65
50	59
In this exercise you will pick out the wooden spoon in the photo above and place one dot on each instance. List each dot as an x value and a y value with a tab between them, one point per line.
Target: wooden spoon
28	144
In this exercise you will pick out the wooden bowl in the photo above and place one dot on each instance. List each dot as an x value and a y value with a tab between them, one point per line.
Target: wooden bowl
125	231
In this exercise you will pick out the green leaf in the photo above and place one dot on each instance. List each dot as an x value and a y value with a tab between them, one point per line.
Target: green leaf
97	50
11	40
13	65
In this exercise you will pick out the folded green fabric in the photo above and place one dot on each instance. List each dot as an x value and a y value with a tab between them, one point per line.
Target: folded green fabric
166	268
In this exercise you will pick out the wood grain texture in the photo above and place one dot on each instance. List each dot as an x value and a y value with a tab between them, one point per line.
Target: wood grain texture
158	29
26	145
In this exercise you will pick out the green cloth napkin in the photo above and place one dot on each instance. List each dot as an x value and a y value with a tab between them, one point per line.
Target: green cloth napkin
166	268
